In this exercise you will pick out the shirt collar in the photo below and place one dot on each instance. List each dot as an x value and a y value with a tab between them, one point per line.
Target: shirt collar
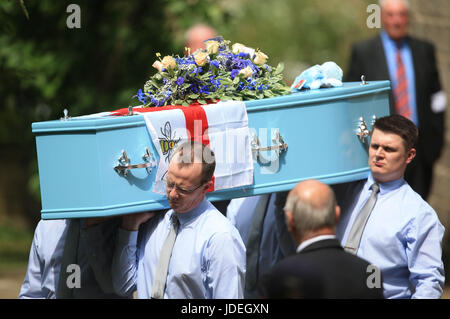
310	241
387	40
185	218
384	187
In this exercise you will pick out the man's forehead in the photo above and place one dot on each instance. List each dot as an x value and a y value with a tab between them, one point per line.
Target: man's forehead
190	171
385	134
386	138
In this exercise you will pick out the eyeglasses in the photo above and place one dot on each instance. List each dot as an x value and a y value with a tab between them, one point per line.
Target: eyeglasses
179	190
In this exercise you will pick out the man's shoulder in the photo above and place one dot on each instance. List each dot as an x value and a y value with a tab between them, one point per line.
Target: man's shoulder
322	259
420	42
410	203
367	44
214	218
51	226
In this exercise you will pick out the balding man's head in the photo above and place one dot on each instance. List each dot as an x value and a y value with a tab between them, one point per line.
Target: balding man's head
311	206
395	18
197	34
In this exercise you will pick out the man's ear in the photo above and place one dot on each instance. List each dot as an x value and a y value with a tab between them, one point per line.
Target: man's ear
289	221
411	155
337	211
206	186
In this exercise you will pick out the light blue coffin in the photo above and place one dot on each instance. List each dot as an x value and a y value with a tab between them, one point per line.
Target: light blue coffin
77	157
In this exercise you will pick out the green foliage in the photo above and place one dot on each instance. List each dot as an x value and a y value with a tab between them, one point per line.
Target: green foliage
14	246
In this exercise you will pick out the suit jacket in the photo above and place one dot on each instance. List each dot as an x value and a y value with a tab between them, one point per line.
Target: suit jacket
368	58
321	270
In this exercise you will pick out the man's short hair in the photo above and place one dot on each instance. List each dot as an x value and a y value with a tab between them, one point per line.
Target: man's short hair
307	217
191	152
398	125
405	2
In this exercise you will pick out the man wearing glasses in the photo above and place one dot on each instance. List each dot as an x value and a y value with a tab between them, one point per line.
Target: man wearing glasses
192	250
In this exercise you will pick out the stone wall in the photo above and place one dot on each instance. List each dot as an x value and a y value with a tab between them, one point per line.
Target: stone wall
430	20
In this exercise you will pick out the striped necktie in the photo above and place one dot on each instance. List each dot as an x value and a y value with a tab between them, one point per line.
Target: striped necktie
401	89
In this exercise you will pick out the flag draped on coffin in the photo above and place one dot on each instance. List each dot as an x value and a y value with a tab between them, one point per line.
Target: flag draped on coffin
222	126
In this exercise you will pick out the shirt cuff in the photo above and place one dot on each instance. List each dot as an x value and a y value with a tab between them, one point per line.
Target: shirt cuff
127	237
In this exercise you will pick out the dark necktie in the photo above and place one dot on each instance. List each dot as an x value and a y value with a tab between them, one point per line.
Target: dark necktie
159	283
69	257
354	237
254	242
401	90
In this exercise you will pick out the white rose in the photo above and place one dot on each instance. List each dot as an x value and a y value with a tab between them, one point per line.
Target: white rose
168	62
260	58
238	48
201	57
158	65
212	46
247	72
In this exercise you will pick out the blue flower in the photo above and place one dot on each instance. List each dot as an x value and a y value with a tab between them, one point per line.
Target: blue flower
234	73
180	80
204	89
194	88
142	97
215	63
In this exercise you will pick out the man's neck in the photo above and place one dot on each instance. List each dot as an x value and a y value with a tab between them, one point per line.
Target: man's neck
317	236
315	233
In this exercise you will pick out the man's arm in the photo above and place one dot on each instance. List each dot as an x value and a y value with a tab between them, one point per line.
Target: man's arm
226	269
437	114
424	252
124	264
32	284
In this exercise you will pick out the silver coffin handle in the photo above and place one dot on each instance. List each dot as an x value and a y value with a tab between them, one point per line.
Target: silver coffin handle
124	163
280	145
362	131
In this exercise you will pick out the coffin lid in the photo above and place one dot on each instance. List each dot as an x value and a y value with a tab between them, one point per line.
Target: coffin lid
309	97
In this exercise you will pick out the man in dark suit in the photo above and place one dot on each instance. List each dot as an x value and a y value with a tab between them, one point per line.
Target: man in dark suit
320	268
410	64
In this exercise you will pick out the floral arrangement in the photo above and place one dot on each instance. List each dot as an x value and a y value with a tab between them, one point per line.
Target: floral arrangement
215	73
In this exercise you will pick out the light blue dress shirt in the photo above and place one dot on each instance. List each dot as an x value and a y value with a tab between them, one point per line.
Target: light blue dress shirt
403	237
95	252
207	261
390	51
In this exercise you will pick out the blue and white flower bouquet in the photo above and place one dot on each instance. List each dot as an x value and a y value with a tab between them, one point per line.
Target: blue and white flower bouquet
218	72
